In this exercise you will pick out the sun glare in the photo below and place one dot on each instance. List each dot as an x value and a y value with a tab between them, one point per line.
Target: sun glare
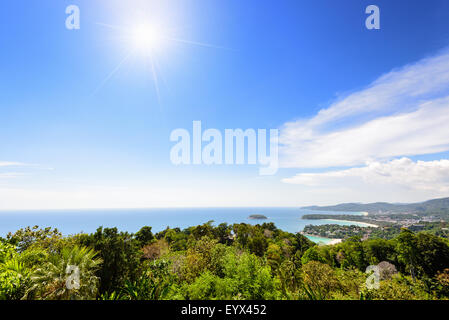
147	38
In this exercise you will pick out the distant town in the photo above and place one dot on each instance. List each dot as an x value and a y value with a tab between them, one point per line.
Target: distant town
381	220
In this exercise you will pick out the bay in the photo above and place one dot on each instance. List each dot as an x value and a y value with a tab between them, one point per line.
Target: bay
131	220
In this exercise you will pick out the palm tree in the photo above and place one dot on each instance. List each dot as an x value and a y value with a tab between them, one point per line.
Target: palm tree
69	275
14	275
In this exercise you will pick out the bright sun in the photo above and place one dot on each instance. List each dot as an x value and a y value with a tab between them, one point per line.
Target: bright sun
147	38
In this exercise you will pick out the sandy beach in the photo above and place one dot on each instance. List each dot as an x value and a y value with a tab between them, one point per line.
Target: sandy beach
329	241
362	224
334	241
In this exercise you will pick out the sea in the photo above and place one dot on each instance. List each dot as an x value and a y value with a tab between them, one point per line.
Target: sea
131	220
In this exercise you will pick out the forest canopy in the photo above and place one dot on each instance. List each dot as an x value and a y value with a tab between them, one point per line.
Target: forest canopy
225	262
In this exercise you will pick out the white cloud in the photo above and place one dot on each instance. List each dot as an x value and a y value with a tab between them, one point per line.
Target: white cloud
12	164
405	174
8	175
403	113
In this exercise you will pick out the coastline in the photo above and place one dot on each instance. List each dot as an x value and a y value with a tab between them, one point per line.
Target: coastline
328	241
334	241
361	224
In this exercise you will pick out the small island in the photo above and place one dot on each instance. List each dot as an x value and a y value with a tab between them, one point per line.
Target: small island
257	217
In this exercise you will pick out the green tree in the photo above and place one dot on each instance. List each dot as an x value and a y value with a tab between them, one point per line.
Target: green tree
199	258
153	284
290	278
53	280
144	236
433	254
312	254
320	279
14	276
378	250
407	251
302	244
274	256
223	233
245	277
353	254
47	238
258	244
242	234
120	253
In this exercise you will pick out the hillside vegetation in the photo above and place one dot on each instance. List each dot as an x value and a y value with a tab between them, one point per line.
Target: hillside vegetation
239	261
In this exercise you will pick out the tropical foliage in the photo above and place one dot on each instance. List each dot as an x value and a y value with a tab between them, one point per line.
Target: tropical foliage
237	261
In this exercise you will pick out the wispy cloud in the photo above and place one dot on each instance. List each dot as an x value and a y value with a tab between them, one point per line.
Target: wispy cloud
9	175
403	173
20	169
12	164
403	113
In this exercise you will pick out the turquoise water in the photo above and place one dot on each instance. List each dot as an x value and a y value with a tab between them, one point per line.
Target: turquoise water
75	221
319	239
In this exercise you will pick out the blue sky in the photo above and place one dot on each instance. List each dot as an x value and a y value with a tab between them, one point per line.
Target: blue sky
71	139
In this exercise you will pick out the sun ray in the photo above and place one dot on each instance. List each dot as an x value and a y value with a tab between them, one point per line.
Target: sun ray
147	39
161	75
111	74
155	80
196	43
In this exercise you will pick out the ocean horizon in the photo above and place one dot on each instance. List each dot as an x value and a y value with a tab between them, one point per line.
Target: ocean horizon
131	220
